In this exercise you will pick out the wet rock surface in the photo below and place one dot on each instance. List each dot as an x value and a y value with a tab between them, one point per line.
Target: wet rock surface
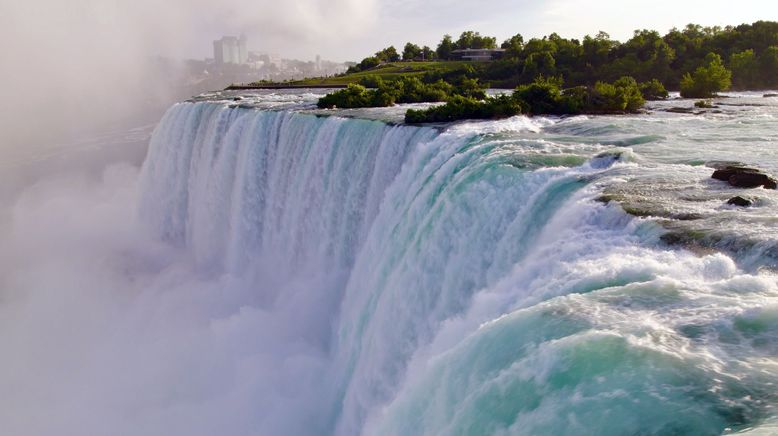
741	176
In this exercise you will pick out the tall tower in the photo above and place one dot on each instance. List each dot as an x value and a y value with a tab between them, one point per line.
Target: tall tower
243	51
218	52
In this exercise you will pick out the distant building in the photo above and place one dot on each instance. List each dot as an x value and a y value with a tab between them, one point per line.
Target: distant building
231	50
479	54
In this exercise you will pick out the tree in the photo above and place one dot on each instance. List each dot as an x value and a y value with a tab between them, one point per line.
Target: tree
513	46
428	54
411	52
653	90
768	63
388	54
470	39
706	80
445	48
745	69
539	64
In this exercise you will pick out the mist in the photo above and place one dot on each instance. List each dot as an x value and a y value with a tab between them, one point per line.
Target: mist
73	67
105	330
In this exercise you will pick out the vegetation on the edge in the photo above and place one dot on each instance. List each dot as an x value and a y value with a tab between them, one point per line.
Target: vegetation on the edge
707	80
749	51
543	96
405	90
602	73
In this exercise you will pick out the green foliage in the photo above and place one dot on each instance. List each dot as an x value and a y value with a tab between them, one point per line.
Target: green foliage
750	51
412	90
460	108
707	80
513	45
704	104
653	90
745	68
445	48
469	88
355	96
411	52
768	65
403	90
371	81
622	95
366	64
428	53
388	54
470	39
541	96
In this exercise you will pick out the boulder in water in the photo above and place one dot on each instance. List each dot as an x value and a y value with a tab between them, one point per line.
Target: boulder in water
770	95
740	201
743	177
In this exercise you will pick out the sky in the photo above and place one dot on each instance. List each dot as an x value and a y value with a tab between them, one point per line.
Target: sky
351	29
69	61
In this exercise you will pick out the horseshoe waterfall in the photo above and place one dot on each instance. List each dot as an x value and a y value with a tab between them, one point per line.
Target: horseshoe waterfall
470	280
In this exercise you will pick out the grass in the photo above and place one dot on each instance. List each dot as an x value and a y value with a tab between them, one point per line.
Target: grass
388	72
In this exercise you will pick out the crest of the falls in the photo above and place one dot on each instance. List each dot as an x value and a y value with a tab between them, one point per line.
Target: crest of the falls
456	283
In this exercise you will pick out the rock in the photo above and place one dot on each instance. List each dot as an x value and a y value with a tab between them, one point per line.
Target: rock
770	95
680	110
743	177
740	201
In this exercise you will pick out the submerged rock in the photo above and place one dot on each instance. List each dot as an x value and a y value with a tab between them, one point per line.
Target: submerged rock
740	201
680	110
743	177
770	95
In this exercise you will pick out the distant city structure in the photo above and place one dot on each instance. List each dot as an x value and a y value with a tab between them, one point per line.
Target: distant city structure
231	50
232	62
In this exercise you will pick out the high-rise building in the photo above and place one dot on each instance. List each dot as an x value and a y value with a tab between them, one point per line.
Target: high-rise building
231	50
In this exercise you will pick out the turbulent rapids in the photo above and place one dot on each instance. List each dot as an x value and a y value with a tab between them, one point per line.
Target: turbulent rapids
472	280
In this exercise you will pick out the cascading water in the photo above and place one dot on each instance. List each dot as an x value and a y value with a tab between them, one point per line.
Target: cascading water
457	282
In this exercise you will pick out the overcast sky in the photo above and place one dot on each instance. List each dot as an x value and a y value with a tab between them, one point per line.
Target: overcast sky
351	29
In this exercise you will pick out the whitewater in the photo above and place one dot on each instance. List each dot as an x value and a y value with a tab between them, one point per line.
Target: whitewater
276	269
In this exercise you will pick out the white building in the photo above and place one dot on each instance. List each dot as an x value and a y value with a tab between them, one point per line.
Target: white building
231	50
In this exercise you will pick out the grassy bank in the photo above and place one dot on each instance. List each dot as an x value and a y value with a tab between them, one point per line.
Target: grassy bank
389	71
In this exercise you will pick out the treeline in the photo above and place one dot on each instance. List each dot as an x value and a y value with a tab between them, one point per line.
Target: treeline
414	52
749	53
467	98
544	96
406	90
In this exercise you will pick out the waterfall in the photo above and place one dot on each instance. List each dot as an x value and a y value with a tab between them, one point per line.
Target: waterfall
449	286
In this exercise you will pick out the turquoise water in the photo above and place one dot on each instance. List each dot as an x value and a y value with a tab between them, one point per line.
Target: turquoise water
275	269
471	282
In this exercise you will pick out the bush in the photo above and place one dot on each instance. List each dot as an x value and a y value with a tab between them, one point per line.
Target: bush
622	95
404	90
707	80
355	96
541	96
653	90
371	81
460	108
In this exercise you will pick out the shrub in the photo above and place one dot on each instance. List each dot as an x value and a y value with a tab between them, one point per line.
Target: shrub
707	80
460	108
622	95
541	96
653	90
355	96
